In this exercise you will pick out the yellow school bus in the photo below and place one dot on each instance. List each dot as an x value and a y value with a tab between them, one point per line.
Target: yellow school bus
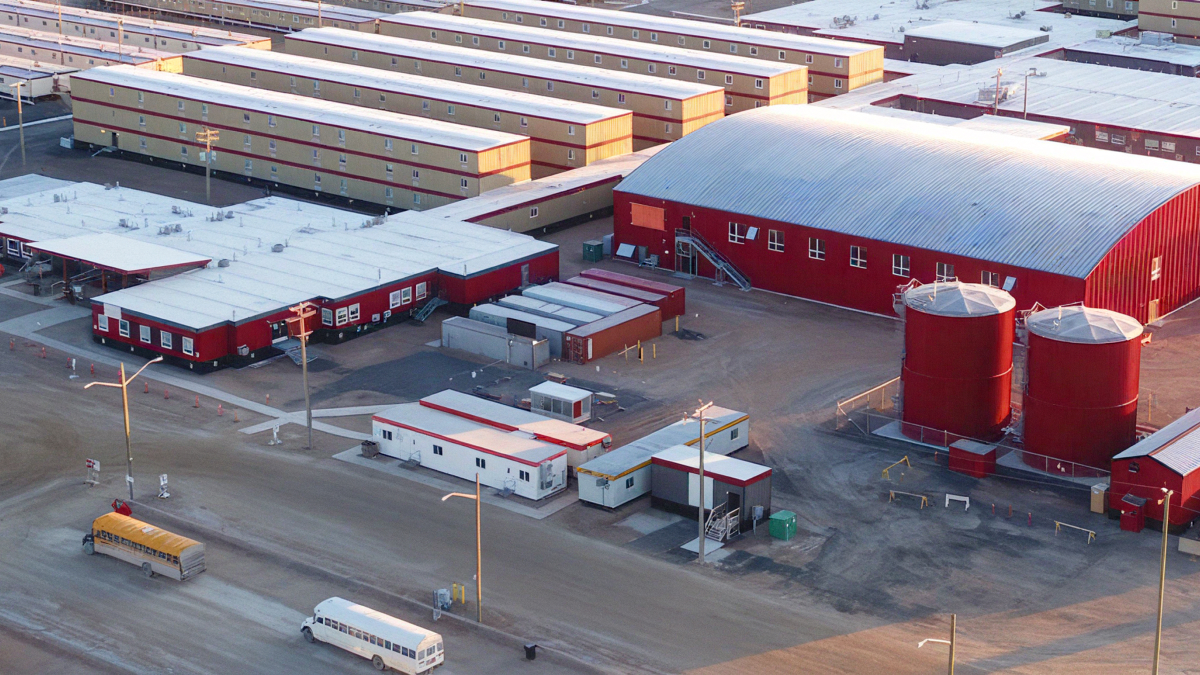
153	549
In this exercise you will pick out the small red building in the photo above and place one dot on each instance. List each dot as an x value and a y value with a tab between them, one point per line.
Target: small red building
1169	458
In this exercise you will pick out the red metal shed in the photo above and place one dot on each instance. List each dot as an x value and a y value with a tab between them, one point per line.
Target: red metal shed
676	302
614	332
1169	458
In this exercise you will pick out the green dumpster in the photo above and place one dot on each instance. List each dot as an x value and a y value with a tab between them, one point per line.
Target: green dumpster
782	525
593	251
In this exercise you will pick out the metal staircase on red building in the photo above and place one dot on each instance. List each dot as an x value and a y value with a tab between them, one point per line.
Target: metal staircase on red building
725	267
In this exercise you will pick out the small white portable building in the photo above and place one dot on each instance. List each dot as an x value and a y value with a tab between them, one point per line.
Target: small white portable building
512	460
559	401
737	484
582	443
624	474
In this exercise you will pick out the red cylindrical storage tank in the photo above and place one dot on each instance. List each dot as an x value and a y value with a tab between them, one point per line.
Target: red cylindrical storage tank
1082	388
957	374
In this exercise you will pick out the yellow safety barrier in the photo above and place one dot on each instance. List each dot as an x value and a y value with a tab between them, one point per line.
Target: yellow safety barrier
1059	525
892	497
459	593
903	460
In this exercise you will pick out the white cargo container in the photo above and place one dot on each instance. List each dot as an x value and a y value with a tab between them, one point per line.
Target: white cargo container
604	304
494	342
550	330
573	316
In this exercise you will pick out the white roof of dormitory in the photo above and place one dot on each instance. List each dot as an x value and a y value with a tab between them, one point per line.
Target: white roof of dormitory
508	418
1083	92
514	102
533	192
307	109
52	44
305	8
981	34
585	76
31	69
1053	207
1170	52
715	61
518	445
702	29
685	432
887	22
1014	126
130	24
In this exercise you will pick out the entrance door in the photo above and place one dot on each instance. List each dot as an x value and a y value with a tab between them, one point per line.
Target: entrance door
685	258
733	500
114	140
1152	311
524	275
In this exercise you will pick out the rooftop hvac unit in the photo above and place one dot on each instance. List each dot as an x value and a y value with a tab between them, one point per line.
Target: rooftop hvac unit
123	222
1156	39
277	248
1105	34
987	94
223	262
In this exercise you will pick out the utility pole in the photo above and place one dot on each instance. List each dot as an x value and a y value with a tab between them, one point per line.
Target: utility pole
737	8
208	136
478	548
996	105
124	386
300	327
120	40
1162	579
950	642
1025	105
699	414
20	116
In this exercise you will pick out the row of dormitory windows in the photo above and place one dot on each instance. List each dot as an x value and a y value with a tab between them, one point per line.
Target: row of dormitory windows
92	31
146	334
351	313
378	641
680	39
480	462
1108	4
1148	143
53	55
113	539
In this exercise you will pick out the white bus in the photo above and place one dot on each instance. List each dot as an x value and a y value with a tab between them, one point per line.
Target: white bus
386	640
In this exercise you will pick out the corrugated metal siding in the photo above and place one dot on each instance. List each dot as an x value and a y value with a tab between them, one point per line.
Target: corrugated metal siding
1019	202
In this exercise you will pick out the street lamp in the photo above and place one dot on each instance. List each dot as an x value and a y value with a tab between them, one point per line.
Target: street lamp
1162	577
478	548
299	327
950	642
1025	105
208	137
124	385
20	115
699	414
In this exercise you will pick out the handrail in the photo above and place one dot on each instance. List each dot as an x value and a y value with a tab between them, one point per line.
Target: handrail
715	257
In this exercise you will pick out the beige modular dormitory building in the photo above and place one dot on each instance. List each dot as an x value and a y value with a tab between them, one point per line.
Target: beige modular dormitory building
563	135
748	83
281	15
289	140
81	53
663	110
834	66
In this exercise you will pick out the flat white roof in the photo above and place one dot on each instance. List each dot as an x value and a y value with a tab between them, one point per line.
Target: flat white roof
531	192
515	102
306	8
715	61
52	42
535	306
496	311
586	76
130	24
983	34
328	252
1171	52
682	433
517	445
561	391
28	184
887	22
569	296
120	254
650	22
1015	126
337	115
508	418
719	467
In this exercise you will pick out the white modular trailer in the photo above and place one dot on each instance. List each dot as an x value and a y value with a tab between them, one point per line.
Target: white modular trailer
582	443
579	298
559	401
505	460
550	330
573	316
494	342
624	474
385	640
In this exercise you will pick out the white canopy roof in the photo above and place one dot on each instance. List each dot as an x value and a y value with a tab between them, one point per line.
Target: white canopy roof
125	255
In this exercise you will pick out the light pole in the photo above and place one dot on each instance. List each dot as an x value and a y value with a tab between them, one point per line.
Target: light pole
699	414
950	642
1162	578
478	549
208	136
300	327
996	105
20	116
1025	105
124	385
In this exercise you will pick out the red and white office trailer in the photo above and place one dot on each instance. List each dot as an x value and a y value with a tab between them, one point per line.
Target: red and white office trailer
512	461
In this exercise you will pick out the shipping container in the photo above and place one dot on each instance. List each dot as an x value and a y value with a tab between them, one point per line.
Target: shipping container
575	317
551	330
675	304
493	342
613	333
656	299
584	299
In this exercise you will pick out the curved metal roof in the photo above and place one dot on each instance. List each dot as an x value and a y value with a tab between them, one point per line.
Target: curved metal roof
1085	325
1035	204
955	298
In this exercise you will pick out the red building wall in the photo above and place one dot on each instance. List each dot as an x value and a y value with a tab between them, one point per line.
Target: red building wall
1148	482
833	280
480	287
